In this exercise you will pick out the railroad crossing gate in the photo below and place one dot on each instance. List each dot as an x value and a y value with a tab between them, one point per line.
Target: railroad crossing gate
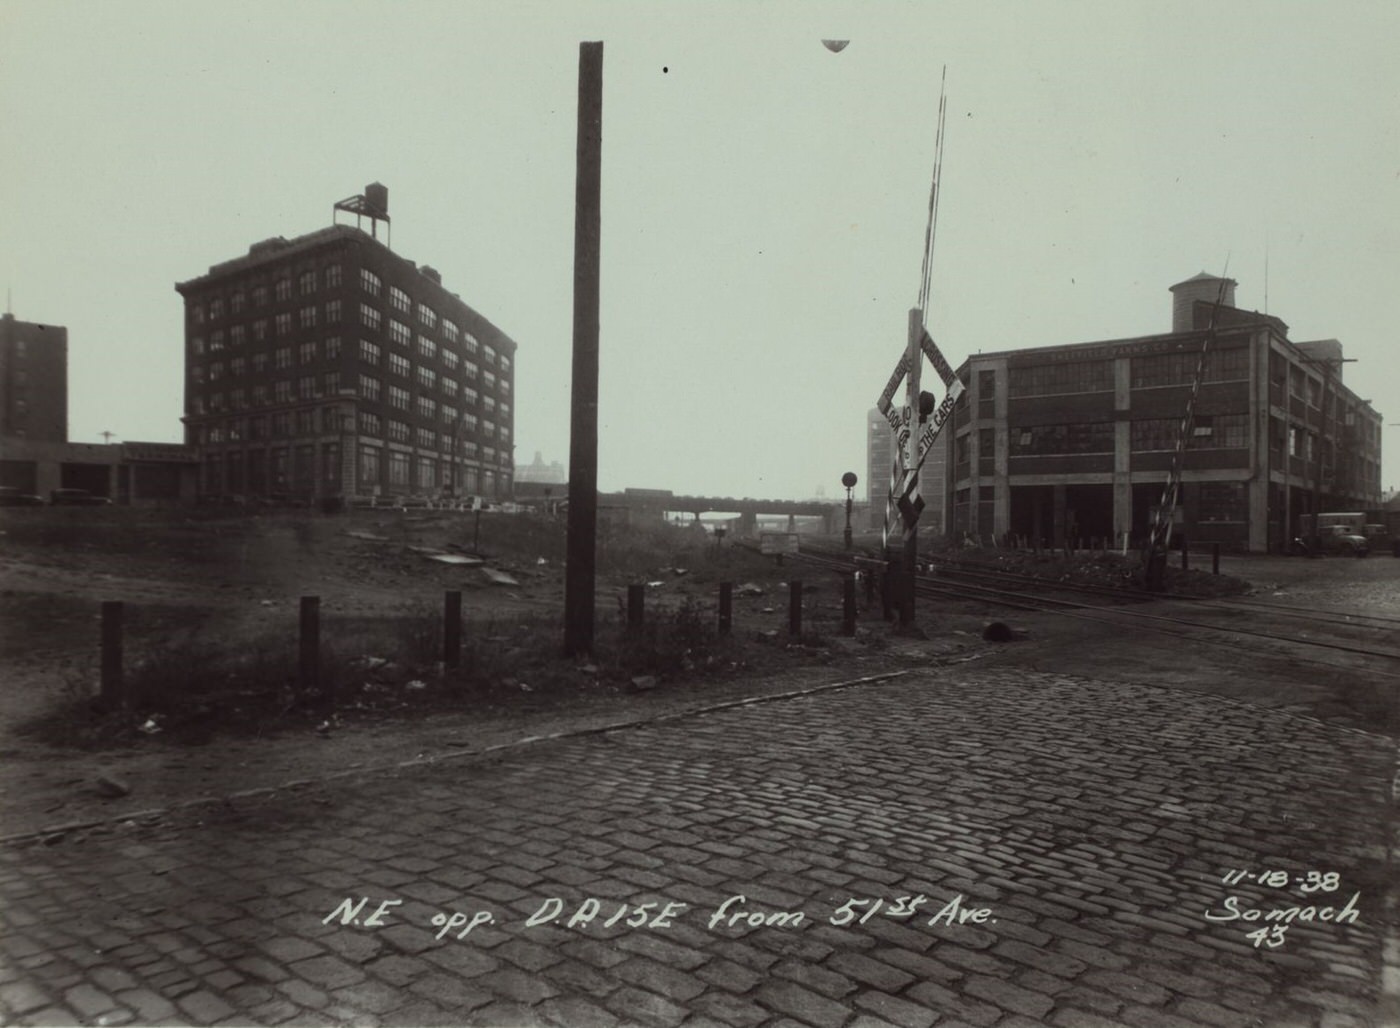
912	443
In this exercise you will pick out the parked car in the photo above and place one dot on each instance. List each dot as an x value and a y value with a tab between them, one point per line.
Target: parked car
12	497
76	498
1338	540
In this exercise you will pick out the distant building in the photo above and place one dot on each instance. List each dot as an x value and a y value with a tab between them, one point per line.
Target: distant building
539	472
879	453
329	366
33	380
1077	441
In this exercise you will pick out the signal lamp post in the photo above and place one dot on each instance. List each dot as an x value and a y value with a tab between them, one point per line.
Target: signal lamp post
849	480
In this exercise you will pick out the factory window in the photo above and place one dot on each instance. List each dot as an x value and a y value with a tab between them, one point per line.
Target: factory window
196	346
399	365
283	357
426	346
505	434
1208	432
1059	378
283	289
330	464
332	276
427	408
370	316
197	313
284	324
370	423
1222	501
398	468
282	391
427	378
489	404
469	341
449	386
470	370
259	396
238	399
369	464
488	453
332	382
450	330
332	347
306	283
306	422
216	341
398	431
257	428
449	413
505	363
399	332
260	330
1169	369
216	371
427	315
427	473
197	372
236	367
450	359
332	312
306	387
1054	440
259	363
216	309
427	438
488	429
369	387
369	352
236	335
281	426
307	352
399	300
370	282
398	398
469	448
469	394
216	402
490	354
445	443
260	296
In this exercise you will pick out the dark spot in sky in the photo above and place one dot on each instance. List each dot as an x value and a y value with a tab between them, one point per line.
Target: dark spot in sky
665	70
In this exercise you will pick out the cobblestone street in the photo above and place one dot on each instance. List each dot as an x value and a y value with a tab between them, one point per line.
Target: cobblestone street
1023	848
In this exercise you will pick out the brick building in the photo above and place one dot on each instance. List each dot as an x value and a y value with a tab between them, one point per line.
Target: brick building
1076	441
33	381
329	366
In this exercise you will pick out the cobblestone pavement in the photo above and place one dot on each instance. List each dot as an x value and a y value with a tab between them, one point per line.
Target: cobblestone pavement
1059	842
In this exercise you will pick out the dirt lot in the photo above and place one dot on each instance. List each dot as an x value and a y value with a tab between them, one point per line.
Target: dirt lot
198	583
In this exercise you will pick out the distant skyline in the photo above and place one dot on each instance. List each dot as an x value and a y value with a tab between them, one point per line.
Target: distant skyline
763	196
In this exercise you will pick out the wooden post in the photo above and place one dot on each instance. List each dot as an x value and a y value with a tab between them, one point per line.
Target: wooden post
452	629
794	608
309	665
848	604
113	687
726	607
911	534
1185	555
581	573
636	605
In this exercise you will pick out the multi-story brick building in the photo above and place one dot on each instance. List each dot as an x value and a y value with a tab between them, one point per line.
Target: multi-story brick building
328	365
33	381
1076	441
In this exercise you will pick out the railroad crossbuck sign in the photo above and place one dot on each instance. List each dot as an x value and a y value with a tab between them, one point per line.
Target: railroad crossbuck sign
912	444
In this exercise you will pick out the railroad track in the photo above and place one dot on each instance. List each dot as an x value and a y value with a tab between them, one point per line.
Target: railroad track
1031	595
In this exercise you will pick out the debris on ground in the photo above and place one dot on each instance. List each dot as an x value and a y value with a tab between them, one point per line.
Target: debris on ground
643	683
112	787
498	577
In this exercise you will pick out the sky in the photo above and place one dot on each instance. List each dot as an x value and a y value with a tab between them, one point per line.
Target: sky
763	199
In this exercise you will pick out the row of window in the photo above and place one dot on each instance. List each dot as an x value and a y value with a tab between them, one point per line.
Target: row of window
282	290
373	354
1216	432
295	468
1146	372
327	420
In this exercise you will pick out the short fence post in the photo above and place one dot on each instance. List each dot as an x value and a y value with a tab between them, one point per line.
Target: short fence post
794	608
1185	555
726	607
452	629
1215	559
113	688
309	666
636	603
848	604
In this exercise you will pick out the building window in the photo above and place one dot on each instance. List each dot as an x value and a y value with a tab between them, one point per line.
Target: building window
469	341
1217	432
370	424
369	352
505	434
469	422
306	387
470	395
488	429
332	312
284	324
283	289
238	400
332	348
196	346
307	352
449	386
306	283
197	313
370	282
490	379
236	367
260	330
216	402
505	363
282	391
398	365
399	300
216	371
283	357
1222	501
260	296
1056	440
427	315
197	372
216	309
369	387
451	360
398	398
257	428
427	377
369	465
398	431
427	408
505	410
449	414
399	332
281	426
332	382
398	468
306	422
236	335
427	438
469	369
450	331
489	404
370	317
308	317
1059	378
332	276
490	354
259	396
427	473
259	363
426	347
216	340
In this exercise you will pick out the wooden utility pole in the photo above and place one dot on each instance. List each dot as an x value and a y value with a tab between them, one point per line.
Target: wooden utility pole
912	459
581	572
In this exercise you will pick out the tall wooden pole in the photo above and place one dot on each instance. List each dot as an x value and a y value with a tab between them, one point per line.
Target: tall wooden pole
581	572
911	532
